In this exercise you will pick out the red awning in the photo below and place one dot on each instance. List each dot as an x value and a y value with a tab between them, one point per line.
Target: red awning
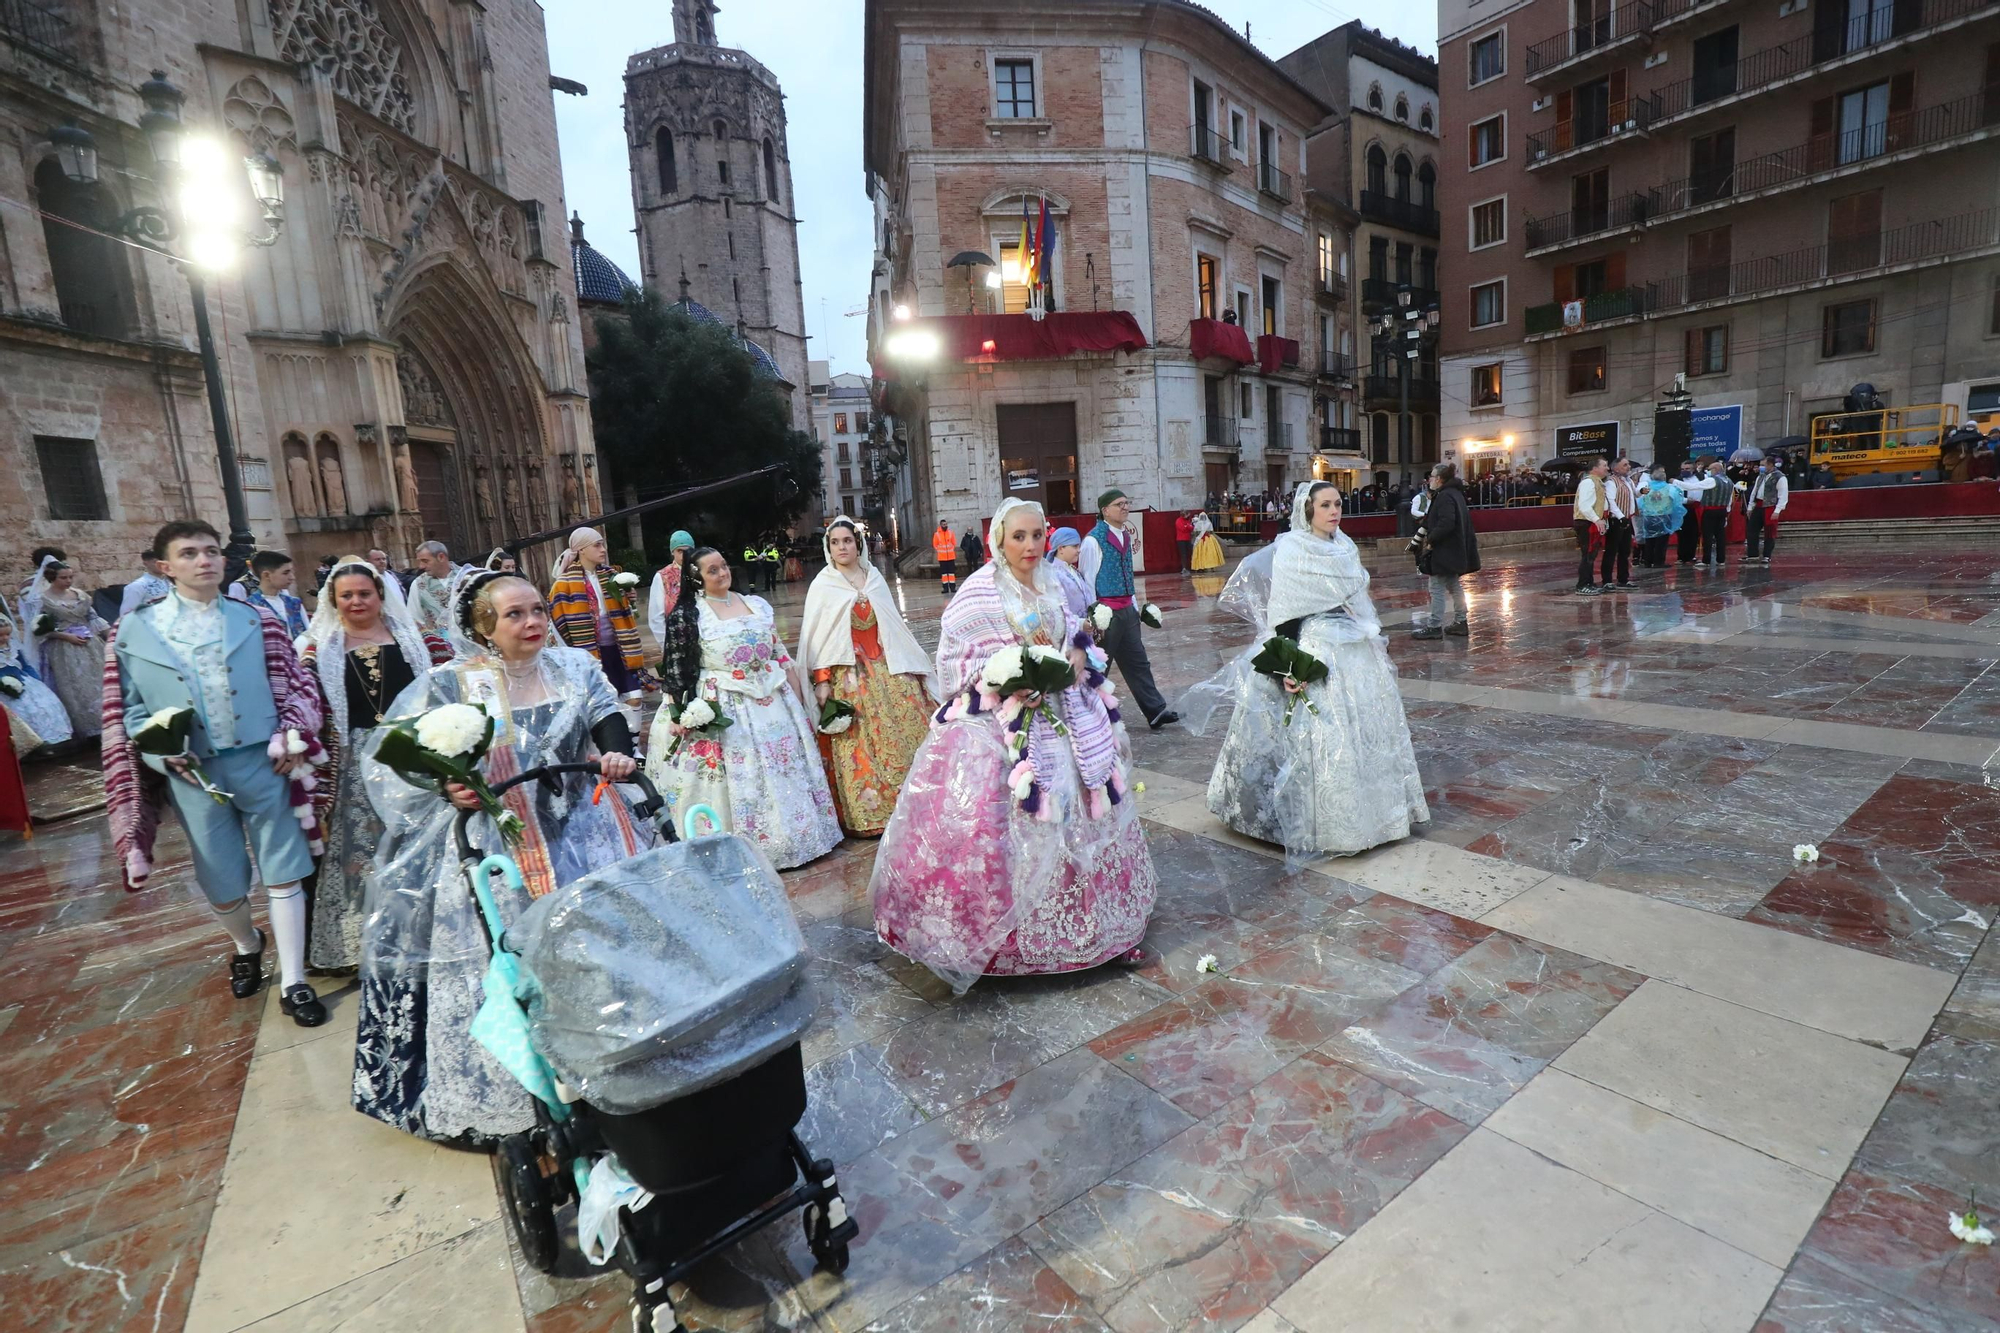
1275	353
1019	338
1214	337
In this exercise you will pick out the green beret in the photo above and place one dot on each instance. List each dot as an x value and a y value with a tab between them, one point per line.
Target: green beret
1113	494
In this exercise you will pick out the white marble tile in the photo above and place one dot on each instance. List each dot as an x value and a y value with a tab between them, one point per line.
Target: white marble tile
316	1195
463	1285
1436	874
1863	996
1796	1093
1755	1202
1496	1237
1191	815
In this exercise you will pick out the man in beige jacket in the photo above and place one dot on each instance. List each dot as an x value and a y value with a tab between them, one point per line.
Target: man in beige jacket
1588	519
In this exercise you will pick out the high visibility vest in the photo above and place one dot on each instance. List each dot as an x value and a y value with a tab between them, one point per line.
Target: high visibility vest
750	556
771	554
944	546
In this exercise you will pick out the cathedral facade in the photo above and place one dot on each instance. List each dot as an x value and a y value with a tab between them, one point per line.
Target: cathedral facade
403	363
712	189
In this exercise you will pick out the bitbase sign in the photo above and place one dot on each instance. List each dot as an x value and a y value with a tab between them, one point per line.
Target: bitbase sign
1600	438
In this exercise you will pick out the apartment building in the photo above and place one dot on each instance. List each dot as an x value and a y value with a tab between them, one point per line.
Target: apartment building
1377	160
1178	344
1775	201
839	408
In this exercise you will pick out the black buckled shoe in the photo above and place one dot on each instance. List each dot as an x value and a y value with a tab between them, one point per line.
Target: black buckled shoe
302	1005
246	971
1166	719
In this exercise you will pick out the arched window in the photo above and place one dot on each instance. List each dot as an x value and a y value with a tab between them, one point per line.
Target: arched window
1378	169
663	148
1402	108
1425	120
720	129
1375	97
93	281
1403	176
1427	185
770	172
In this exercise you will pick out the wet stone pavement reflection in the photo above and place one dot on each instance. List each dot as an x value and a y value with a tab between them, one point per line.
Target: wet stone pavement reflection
1592	1051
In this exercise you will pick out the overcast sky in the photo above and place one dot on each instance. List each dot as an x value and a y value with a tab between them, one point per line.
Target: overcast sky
814	47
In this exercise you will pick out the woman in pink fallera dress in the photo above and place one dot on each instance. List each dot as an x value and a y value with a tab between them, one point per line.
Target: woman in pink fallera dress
996	867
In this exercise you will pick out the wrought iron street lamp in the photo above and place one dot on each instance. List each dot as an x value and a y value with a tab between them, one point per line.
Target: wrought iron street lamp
199	229
1417	327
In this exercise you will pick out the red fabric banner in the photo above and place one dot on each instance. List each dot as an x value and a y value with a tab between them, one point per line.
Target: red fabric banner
1020	338
1273	353
1213	337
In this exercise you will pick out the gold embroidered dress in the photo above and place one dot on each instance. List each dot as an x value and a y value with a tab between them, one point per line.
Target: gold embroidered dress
868	762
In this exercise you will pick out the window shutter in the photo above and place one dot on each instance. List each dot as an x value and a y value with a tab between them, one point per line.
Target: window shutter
1565	104
1992	111
1819	149
1614	271
1617	98
1471	154
1829	27
1690	350
1565	283
1902	102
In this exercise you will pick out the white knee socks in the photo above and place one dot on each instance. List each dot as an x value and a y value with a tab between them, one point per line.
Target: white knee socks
288	923
236	920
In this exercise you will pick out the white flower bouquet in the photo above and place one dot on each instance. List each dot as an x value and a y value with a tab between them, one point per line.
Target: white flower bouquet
835	716
11	687
165	736
1100	617
446	745
697	718
625	579
1150	616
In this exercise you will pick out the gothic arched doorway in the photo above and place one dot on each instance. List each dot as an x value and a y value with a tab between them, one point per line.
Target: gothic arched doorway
472	404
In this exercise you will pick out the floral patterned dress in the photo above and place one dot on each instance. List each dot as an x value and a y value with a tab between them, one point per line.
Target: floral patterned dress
762	772
868	762
75	671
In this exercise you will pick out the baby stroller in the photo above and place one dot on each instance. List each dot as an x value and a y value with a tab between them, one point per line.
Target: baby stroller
694	1087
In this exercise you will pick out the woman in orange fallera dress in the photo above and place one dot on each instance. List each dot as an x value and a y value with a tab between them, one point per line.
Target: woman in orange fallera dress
857	649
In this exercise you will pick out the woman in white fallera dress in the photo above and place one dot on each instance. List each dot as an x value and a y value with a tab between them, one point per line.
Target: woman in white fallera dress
762	773
38	715
1341	777
72	652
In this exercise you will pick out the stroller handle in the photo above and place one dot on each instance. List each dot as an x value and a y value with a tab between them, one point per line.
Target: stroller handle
546	773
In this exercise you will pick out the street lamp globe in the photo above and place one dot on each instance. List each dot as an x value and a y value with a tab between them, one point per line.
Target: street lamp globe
1403	296
212	250
162	121
267	181
76	152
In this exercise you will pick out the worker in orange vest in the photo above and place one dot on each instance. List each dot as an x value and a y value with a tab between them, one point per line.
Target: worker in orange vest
945	547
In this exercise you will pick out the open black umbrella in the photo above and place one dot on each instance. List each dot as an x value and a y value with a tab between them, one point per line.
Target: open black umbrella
969	260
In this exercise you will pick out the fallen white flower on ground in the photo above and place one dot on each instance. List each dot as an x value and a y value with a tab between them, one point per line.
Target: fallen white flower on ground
1206	963
1805	851
1967	1227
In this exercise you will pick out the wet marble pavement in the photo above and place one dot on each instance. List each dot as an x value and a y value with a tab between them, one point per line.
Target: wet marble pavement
1593	1051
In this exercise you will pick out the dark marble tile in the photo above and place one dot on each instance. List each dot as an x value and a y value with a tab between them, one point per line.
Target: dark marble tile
1891	1235
1940	1126
1973	1011
853	1104
1206	1230
141	1277
1816	1299
1004	1290
1234	1030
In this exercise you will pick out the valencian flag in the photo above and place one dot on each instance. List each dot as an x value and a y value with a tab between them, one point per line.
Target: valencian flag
1025	252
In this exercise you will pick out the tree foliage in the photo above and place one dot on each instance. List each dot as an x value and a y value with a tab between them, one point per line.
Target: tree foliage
676	402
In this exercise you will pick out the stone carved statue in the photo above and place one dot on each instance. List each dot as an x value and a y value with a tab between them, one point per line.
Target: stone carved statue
330	482
482	490
406	481
572	491
591	497
537	492
299	478
510	486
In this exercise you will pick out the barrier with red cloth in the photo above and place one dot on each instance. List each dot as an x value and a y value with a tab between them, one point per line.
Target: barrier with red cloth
1022	338
1156	537
1214	337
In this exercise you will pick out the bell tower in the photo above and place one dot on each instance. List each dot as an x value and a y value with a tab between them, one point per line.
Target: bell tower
694	22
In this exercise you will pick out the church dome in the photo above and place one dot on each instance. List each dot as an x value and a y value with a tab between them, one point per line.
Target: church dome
597	278
766	364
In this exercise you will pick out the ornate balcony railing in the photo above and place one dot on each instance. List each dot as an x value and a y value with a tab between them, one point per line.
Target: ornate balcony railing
1405	213
43	26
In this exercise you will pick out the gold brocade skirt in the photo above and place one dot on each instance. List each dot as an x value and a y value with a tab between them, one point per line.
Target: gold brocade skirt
866	764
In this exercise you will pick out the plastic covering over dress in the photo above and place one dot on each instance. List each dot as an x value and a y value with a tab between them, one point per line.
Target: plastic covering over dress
416	1066
969	880
1341	777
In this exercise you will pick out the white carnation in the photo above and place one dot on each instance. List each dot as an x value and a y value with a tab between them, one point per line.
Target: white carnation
1023	786
838	725
1805	851
1002	667
697	715
166	717
11	686
452	729
626	579
1043	653
1100	616
1154	611
1967	1227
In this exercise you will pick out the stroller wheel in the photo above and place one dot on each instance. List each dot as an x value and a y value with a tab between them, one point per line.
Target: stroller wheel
530	1211
643	1320
831	1254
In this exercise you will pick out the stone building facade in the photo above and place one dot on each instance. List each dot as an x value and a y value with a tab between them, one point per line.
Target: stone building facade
1118	116
1378	160
712	189
402	364
1774	202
